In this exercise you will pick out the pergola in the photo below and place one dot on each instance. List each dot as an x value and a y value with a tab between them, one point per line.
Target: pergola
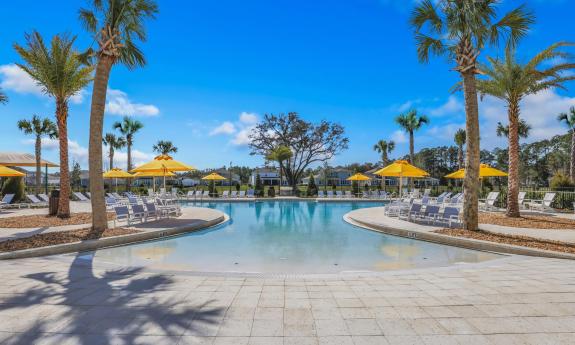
18	159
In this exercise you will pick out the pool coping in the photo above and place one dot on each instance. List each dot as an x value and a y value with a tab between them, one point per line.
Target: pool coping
285	198
91	245
461	242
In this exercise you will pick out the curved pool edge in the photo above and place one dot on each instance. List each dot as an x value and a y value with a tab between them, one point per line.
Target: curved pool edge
354	218
122	240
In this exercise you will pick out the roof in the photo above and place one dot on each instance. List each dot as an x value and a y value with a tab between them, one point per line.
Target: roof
18	159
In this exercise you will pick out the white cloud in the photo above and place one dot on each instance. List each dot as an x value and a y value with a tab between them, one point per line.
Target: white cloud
225	128
120	104
539	110
451	107
15	79
242	138
399	137
121	158
248	118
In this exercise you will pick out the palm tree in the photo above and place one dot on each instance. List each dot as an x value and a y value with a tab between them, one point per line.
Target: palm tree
460	138
411	122
116	25
128	127
523	129
384	148
164	147
39	128
3	97
460	29
569	120
114	143
511	81
280	154
61	74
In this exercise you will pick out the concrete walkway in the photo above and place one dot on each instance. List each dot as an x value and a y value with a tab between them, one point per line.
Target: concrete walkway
70	300
375	215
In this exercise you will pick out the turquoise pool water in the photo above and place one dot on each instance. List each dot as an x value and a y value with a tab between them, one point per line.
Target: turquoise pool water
288	238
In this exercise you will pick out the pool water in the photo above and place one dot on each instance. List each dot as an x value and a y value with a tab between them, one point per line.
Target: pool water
288	237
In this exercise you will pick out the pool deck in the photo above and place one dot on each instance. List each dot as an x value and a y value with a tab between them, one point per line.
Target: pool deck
71	299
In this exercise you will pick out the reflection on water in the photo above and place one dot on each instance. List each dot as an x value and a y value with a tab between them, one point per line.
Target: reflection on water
289	237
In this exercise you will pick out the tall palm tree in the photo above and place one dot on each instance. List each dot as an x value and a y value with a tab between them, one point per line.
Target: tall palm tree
3	97
511	81
39	128
411	122
61	74
164	147
128	127
114	143
384	148
116	25
523	129
569	120
280	154
460	30
460	138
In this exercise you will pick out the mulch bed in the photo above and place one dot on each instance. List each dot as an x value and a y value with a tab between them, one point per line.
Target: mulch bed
523	241
53	238
527	221
41	220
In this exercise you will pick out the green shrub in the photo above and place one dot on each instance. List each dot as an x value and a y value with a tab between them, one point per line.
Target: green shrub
311	187
271	192
354	187
559	181
14	185
259	188
212	189
238	187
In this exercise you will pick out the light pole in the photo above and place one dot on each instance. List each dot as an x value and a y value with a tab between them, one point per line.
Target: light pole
230	169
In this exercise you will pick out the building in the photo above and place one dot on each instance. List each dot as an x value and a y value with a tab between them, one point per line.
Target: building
335	177
269	177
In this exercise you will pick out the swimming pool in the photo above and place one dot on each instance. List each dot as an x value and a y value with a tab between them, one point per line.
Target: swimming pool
288	237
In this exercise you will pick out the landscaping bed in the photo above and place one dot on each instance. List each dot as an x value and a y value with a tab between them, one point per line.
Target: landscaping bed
60	237
42	220
527	221
523	241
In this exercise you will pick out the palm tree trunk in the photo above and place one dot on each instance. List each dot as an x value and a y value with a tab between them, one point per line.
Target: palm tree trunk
64	201
460	157
38	164
128	182
111	158
471	181
572	171
411	147
99	216
513	178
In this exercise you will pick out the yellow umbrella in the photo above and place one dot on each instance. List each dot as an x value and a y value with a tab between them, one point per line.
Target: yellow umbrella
401	169
154	174
116	173
163	164
7	172
484	171
214	177
358	177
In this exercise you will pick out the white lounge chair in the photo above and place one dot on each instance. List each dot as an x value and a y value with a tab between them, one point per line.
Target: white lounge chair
80	196
44	197
225	194
348	194
35	201
6	200
234	194
339	194
489	203
251	193
330	194
543	205
242	194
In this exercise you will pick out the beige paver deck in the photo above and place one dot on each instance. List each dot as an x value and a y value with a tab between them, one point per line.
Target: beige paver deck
516	300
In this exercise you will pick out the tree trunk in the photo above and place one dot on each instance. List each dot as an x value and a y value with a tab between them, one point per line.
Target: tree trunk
111	157
99	216
471	181
460	157
513	178
64	201
572	171
411	147
129	146
38	164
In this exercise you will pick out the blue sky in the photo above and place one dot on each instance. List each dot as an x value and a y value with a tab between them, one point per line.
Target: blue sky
215	67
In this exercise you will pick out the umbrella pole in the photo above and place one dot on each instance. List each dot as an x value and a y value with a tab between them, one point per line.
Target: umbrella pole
46	178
